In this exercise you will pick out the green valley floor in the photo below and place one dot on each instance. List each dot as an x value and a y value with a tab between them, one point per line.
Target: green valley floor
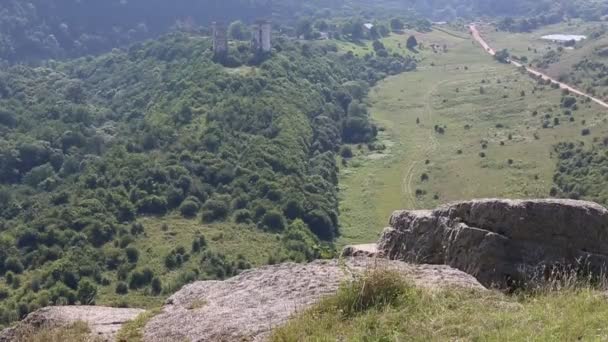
462	126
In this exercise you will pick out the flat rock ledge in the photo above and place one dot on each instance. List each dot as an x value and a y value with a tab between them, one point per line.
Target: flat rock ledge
502	242
104	322
248	306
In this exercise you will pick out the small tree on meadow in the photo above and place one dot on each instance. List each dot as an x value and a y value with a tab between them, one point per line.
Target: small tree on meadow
412	43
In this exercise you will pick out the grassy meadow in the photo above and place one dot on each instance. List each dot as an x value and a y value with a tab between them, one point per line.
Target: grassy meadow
381	307
592	49
461	127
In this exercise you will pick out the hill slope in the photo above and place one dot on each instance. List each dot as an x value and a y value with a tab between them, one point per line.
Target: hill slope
89	146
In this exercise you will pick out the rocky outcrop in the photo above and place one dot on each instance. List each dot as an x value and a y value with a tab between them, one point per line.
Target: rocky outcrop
104	322
500	241
248	306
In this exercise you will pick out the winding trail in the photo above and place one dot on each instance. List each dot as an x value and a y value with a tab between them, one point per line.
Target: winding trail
477	36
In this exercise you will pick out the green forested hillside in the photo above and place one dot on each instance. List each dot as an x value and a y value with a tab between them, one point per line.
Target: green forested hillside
89	146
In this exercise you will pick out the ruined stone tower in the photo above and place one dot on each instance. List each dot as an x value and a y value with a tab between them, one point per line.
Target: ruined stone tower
220	39
261	36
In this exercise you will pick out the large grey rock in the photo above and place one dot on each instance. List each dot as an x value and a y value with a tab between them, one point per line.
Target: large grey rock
501	241
104	322
247	307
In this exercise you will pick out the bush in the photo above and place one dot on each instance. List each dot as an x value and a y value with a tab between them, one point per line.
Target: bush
293	209
242	216
157	286
122	288
215	210
586	132
189	208
153	205
86	292
140	279
13	264
346	152
273	220
132	254
137	228
568	101
198	244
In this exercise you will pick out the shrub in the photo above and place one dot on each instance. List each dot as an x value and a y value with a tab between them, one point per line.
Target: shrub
242	216
157	286
122	288
140	279
13	264
346	152
86	292
189	208
214	210
137	228
198	244
273	220
293	209
132	254
154	205
568	101
586	132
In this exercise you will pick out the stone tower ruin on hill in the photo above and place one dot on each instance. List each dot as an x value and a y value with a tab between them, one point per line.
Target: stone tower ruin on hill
220	39
261	36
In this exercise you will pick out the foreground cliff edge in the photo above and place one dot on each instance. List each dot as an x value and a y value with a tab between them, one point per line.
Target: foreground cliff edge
470	245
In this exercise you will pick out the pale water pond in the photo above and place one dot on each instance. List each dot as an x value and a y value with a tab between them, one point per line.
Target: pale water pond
564	37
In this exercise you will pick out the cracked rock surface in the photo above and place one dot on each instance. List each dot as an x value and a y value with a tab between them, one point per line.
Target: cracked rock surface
247	307
104	322
500	241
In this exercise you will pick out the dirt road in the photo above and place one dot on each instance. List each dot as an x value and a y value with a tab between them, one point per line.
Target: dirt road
477	36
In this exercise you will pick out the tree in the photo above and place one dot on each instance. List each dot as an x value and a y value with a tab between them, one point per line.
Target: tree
397	25
304	28
383	31
189	207
273	220
86	292
412	43
502	56
346	152
238	31
157	286
132	254
377	45
122	288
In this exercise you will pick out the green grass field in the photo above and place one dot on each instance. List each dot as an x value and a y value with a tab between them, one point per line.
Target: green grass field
383	309
531	45
500	123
